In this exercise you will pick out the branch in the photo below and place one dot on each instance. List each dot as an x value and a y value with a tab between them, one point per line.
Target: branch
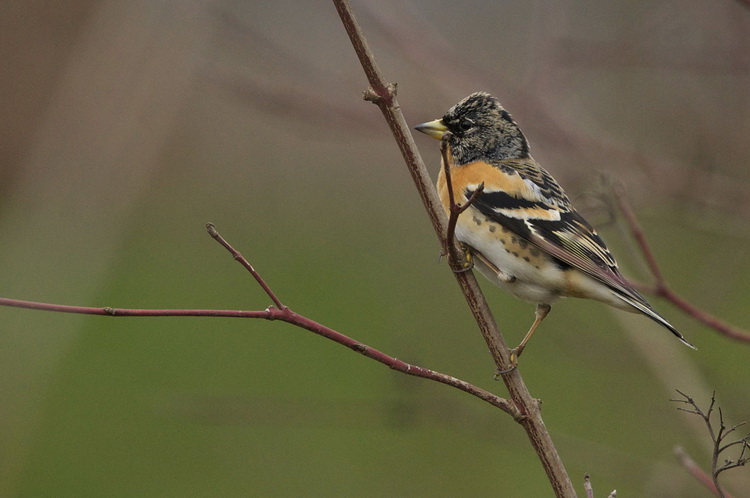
590	489
455	210
284	314
238	257
660	287
717	437
383	95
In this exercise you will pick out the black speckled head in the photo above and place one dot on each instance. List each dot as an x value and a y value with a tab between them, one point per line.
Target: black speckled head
481	129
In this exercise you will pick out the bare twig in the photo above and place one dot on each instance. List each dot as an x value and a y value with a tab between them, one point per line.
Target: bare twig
660	287
241	259
455	210
590	489
587	486
382	94
717	437
285	314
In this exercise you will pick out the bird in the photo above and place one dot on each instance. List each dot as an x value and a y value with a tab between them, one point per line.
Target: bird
520	229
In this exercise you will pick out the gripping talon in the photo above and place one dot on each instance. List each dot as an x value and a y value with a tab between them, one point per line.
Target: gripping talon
468	256
514	354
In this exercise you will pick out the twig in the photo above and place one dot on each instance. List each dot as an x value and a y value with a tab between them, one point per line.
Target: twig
455	209
590	489
587	486
284	314
241	259
660	287
718	438
382	94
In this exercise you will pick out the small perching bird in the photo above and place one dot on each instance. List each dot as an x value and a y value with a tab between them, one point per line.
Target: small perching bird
521	230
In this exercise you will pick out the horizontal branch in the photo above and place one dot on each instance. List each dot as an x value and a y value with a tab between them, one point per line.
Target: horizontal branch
108	311
284	315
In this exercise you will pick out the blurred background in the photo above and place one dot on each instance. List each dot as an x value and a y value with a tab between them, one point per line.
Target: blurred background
129	125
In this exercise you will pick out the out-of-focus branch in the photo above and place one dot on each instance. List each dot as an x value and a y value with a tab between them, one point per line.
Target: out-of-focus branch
660	287
382	94
696	471
425	47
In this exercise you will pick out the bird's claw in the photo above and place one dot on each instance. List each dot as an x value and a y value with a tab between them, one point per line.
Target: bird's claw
468	258
514	354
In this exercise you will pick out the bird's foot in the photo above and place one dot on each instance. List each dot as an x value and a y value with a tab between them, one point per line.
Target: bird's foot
468	259
514	354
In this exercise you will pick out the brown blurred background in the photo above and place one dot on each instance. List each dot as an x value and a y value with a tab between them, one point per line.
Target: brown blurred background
129	125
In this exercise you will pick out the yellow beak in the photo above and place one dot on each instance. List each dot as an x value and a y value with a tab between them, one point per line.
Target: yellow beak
435	129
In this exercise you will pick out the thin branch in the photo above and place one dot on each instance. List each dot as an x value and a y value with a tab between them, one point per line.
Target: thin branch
383	95
268	314
660	287
454	209
590	489
289	316
284	314
241	259
638	234
587	486
717	437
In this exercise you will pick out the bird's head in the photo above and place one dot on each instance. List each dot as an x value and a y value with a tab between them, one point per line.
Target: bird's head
480	129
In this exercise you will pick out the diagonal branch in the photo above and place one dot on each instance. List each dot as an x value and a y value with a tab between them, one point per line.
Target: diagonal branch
244	262
696	471
383	95
289	316
660	287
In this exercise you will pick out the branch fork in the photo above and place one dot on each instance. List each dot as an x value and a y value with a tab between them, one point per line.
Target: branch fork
720	446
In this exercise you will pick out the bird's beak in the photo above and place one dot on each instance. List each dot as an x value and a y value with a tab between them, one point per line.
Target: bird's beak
435	129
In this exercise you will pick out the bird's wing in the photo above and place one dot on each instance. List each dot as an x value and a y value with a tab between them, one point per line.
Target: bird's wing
526	199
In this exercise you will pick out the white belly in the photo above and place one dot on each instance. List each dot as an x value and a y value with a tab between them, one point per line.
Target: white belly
526	272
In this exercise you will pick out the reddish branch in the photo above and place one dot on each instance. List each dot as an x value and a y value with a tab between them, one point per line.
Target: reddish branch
244	262
696	471
284	314
660	287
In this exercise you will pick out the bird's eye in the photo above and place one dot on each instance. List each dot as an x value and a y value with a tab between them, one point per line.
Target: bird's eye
465	124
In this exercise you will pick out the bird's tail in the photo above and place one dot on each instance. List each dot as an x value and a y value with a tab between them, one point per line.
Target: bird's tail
643	306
